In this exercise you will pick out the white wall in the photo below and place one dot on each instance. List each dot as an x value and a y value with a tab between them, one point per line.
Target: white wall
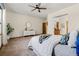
18	21
73	18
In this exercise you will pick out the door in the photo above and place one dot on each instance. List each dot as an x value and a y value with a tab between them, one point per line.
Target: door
45	24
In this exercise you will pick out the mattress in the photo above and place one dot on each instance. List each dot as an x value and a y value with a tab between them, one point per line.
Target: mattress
64	50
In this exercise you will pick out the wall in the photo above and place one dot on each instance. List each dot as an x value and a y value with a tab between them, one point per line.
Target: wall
18	21
72	17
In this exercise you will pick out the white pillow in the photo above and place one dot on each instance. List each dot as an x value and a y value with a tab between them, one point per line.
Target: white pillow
72	38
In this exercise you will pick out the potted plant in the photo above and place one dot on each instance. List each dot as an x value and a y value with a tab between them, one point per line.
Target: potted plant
9	30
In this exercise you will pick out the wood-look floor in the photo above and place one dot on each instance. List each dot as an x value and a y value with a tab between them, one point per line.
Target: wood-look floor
17	47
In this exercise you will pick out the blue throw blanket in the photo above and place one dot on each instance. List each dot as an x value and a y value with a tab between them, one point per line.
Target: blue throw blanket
77	45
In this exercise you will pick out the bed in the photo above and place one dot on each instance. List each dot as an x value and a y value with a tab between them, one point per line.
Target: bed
48	46
65	50
70	49
44	49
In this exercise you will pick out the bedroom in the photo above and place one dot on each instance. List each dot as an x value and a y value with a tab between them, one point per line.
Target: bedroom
25	24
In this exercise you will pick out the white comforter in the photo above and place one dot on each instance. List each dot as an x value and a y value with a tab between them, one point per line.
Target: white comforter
44	49
65	50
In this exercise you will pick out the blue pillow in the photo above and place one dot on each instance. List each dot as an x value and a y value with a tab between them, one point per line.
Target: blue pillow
64	39
77	45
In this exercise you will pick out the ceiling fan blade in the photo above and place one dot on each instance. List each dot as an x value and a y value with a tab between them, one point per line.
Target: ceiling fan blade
31	6
34	9
42	8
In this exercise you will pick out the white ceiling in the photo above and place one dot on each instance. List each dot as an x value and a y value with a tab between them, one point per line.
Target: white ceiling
23	8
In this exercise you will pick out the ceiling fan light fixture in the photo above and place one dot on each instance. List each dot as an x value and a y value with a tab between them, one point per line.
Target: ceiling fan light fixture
37	6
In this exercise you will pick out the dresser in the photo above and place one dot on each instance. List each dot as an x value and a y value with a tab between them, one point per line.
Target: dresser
27	33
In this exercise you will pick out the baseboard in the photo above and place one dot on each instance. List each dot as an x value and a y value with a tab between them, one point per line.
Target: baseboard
24	36
16	37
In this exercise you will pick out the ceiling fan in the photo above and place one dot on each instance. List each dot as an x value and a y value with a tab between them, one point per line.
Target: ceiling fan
37	7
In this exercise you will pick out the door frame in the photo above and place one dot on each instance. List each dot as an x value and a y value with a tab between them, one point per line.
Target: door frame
2	7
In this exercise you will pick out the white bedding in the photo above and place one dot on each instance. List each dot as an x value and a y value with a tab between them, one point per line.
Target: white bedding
44	49
65	50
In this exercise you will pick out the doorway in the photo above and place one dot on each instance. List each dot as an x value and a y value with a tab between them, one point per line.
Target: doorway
44	27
